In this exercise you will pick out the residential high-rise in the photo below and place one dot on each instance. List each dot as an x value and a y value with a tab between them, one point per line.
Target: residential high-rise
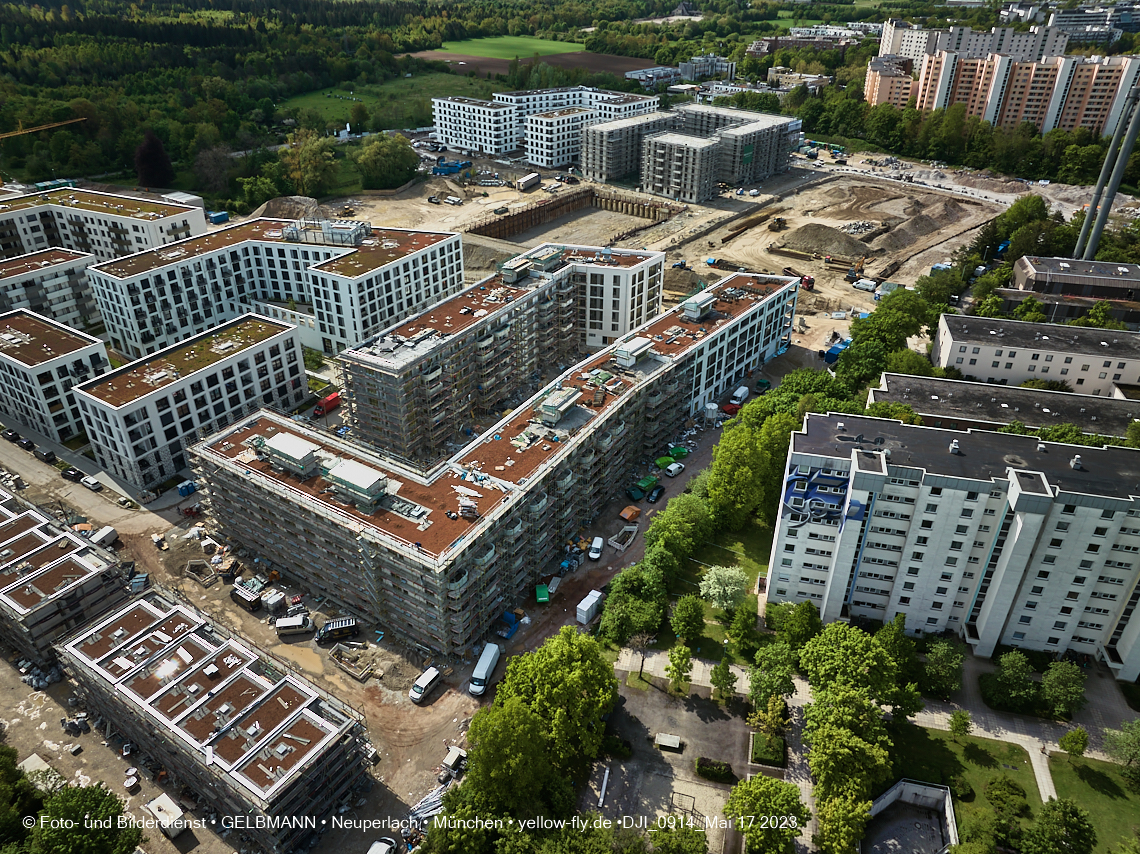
679	166
889	81
50	282
903	39
998	538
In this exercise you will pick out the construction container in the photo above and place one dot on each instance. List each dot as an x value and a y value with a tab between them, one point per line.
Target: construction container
588	607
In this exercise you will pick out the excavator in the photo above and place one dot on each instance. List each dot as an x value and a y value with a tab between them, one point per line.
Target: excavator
855	272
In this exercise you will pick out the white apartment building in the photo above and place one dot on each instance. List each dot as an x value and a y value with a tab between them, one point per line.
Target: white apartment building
51	282
903	39
41	360
707	65
999	538
338	281
606	104
1009	352
107	225
141	417
554	139
471	124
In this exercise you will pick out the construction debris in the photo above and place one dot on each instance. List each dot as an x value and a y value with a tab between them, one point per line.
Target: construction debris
859	227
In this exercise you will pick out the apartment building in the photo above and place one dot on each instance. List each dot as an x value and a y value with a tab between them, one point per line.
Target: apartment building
106	225
246	733
469	124
606	104
889	81
40	361
707	65
902	39
416	389
1009	352
961	405
612	150
141	417
771	44
999	538
1028	13
338	281
435	559
50	282
51	580
554	139
1073	277
1097	24
679	166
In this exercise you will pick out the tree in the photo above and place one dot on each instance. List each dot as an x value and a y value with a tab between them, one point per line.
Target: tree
842	763
82	806
152	162
960	723
909	362
842	822
680	666
743	628
735	484
387	161
1063	686
1075	742
764	796
723	679
774	437
1014	679
1062	827
309	161
724	586
843	653
991	306
457	830
688	621
509	764
358	116
772	675
1129	846
627	616
942	675
570	686
773	720
1100	315
1047	385
1030	310
892	637
18	797
639	643
1123	745
678	839
258	190
212	167
800	625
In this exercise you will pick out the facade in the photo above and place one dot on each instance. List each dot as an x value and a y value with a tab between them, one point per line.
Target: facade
554	139
415	389
771	44
1076	278
50	282
903	39
1097	24
140	417
106	225
656	77
41	361
679	166
469	124
999	538
338	280
1009	352
612	150
889	81
707	65
436	559
51	580
248	735
960	405
752	146
1029	13
784	77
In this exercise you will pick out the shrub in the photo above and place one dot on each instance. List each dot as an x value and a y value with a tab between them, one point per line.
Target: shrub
768	750
715	770
960	788
1006	796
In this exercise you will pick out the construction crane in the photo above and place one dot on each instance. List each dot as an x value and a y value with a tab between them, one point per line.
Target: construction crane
22	130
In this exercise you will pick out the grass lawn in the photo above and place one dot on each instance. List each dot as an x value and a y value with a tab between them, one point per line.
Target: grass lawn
397	101
637	682
934	756
1100	788
508	47
77	442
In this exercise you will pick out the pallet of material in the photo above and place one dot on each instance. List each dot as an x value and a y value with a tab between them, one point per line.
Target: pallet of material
348	660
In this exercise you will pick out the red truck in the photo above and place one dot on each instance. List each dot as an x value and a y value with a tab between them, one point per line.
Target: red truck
327	405
806	282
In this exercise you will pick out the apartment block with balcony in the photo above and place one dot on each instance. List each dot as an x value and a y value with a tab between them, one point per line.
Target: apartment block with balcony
903	39
434	558
469	124
141	417
50	282
999	538
679	166
889	81
612	150
248	734
554	139
41	361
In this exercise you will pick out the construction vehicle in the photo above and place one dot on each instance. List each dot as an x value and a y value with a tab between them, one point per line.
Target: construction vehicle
806	282
434	200
348	210
681	265
721	264
450	167
777	224
856	272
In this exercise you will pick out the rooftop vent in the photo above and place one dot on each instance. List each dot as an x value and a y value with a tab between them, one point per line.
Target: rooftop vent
1075	462
841	427
954	447
1041	447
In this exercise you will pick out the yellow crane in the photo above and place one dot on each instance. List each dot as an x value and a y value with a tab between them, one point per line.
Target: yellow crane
22	130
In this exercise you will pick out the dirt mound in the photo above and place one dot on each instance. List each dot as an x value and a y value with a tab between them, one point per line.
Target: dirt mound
908	233
825	240
992	183
477	257
293	207
684	281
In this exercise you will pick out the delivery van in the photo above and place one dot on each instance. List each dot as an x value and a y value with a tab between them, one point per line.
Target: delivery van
481	678
298	625
740	395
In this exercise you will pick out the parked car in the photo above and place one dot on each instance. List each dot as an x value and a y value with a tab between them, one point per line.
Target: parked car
384	845
71	473
11	435
675	469
655	494
27	444
596	547
92	483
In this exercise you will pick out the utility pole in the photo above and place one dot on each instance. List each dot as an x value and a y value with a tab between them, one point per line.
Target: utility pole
1115	162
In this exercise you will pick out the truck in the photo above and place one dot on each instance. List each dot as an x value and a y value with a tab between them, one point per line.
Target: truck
105	536
806	282
450	167
527	181
327	405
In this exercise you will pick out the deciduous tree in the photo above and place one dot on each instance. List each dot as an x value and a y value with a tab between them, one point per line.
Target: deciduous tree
387	161
799	624
1075	742
152	163
960	723
309	161
723	679
1063	686
735	484
1062	827
82	807
772	674
1123	745
724	586
1014	679
688	621
764	796
842	823
680	666
942	675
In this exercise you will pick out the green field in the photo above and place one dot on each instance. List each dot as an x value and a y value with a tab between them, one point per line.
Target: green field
1100	788
400	103
508	47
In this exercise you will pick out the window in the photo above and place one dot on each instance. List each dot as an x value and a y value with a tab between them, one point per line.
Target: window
932	621
951	561
921	541
1037	590
917	555
1025	621
936	491
1100	532
1019	636
908	585
1043	575
931	508
1053	641
961	529
1062	526
941	591
927	524
1031	605
1093	547
904	600
1080	579
956	546
913	570
967	513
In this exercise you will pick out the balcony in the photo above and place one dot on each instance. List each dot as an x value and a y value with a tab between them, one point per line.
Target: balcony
539	505
486	557
514	530
605	441
565	481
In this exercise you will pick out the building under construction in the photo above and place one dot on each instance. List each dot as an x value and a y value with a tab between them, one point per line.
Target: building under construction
612	150
254	742
679	166
435	559
419	389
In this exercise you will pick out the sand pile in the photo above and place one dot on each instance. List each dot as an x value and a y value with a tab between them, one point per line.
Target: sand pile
685	281
476	257
825	240
907	234
992	183
293	207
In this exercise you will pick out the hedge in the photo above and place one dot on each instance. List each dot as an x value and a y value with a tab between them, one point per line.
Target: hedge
714	769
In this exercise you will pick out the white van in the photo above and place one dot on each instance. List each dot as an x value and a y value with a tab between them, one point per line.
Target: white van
740	395
596	548
298	625
481	678
423	685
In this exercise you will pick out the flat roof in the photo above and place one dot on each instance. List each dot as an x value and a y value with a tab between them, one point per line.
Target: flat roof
633	121
476	102
564	111
1019	334
31	339
1000	404
382	248
684	139
985	456
744	116
42	261
218	698
150	373
1121	272
92	200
